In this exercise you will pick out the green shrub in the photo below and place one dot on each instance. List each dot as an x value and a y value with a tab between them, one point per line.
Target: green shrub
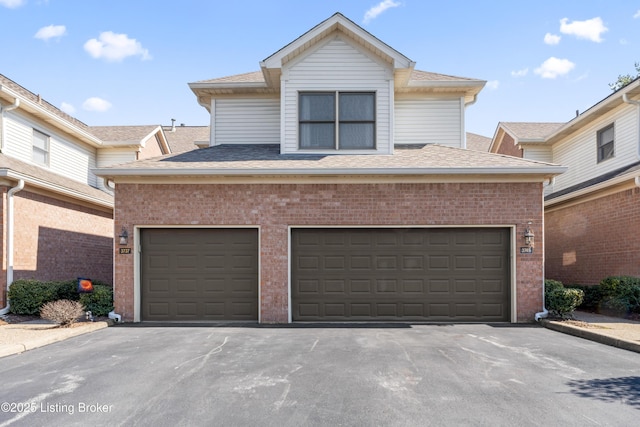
63	312
621	294
27	296
592	297
551	285
561	301
100	301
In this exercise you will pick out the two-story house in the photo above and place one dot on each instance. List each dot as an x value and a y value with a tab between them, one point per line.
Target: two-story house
336	187
57	216
591	216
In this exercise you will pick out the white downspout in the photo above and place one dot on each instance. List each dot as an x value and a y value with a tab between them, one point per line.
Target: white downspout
13	106
544	313
10	233
626	99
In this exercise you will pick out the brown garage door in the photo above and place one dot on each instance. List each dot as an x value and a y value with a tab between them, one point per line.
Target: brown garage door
457	275
199	274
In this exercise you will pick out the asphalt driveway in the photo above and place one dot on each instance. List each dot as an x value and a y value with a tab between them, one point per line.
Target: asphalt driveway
416	375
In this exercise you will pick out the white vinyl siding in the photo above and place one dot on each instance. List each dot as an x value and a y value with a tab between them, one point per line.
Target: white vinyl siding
73	160
337	65
579	151
428	121
538	153
246	121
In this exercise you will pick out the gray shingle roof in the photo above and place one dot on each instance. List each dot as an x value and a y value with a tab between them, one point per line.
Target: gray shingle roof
5	81
122	134
43	175
531	130
183	138
478	142
259	159
258	77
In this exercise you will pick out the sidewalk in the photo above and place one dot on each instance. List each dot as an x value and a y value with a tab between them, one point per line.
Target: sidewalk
18	337
611	331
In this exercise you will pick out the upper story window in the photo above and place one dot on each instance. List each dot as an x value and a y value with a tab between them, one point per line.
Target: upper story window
605	143
337	120
40	148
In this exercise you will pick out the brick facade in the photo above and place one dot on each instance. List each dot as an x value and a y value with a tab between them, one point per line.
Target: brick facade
275	207
57	240
589	241
508	148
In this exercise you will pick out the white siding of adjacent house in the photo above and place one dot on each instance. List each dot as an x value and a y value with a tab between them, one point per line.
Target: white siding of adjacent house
246	121
68	158
110	157
540	153
337	65
579	151
428	121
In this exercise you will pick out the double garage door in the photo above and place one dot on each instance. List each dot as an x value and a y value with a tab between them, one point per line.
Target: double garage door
386	274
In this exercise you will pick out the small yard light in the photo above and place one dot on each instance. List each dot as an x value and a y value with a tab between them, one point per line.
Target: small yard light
124	236
528	235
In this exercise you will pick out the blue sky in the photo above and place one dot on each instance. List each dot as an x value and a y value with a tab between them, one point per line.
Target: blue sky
128	62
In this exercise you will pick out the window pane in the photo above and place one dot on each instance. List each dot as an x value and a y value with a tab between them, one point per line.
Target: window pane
606	136
40	140
317	107
357	106
317	135
606	151
39	156
356	135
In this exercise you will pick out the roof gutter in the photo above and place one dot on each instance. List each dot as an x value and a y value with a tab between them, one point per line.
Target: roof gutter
593	189
16	104
56	188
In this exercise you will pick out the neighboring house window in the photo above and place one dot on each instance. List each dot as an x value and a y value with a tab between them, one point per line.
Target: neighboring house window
605	143
40	148
337	120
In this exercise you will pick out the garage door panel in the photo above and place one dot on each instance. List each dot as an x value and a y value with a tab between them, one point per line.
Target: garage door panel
199	274
401	274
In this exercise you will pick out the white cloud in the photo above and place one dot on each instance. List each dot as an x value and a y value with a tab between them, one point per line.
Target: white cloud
551	39
115	47
67	108
376	10
591	29
12	4
520	73
637	15
50	32
96	104
554	67
493	84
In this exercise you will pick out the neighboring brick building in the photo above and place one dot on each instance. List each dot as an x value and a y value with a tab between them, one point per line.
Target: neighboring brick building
299	213
591	216
57	216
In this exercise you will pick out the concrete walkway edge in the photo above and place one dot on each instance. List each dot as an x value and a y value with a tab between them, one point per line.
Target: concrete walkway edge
591	335
53	335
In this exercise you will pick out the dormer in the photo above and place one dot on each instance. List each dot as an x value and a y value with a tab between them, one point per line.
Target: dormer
336	89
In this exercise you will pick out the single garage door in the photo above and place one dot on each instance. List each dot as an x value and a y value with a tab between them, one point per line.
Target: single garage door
418	274
199	274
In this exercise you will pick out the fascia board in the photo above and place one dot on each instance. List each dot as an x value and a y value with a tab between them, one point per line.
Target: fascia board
590	189
541	171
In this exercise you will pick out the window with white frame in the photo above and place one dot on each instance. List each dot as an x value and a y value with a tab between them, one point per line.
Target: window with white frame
337	120
605	143
40	148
